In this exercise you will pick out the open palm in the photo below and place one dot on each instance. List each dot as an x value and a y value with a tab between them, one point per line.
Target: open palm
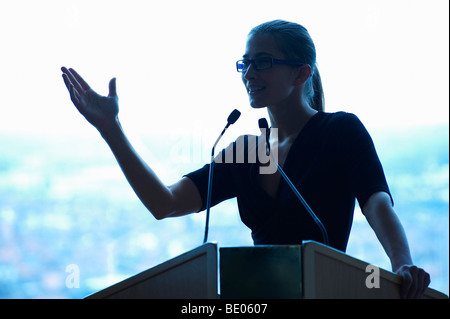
100	111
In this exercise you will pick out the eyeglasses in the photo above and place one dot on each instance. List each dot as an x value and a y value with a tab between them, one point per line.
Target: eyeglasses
262	63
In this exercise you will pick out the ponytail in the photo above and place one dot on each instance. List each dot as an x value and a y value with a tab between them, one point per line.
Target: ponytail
317	100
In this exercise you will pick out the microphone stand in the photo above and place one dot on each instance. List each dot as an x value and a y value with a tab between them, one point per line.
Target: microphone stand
264	125
232	118
210	180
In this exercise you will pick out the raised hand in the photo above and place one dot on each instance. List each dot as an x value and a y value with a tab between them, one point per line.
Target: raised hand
100	111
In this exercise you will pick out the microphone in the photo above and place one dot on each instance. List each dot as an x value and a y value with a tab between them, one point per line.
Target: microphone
264	126
232	118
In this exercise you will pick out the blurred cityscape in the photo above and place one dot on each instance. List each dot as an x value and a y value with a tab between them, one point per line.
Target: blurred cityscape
64	203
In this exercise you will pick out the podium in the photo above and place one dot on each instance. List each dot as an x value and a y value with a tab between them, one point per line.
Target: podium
308	271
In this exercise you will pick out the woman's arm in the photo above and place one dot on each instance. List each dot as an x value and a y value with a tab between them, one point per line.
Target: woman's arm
382	218
176	200
102	112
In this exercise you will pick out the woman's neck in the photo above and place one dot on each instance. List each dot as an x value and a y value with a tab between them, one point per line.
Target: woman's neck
289	120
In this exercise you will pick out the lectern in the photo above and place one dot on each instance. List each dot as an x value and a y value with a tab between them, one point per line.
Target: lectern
310	270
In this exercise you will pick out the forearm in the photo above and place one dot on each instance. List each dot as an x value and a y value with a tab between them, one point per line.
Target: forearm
392	236
382	218
152	192
388	229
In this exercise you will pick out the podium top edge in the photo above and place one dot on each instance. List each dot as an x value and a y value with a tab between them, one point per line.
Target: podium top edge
304	243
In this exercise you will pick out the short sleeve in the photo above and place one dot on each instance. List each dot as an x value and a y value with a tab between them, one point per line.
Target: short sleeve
222	186
363	164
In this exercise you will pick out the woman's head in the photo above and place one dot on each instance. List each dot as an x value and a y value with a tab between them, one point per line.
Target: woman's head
295	43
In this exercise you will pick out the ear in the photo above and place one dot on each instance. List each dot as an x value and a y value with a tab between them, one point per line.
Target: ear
303	74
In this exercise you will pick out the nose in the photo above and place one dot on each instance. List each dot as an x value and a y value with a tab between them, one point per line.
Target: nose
249	74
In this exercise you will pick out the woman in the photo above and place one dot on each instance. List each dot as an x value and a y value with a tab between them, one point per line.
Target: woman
330	157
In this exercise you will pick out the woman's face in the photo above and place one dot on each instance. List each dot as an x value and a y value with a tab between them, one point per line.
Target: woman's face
269	87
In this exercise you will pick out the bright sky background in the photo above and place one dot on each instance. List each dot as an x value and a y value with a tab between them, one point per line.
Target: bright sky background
386	61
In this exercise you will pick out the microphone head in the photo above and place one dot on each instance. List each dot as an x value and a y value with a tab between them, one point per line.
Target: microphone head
263	123
233	117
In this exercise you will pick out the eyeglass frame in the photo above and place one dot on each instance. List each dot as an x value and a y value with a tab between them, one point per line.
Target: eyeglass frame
272	62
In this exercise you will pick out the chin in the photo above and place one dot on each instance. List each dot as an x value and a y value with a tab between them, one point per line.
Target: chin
257	105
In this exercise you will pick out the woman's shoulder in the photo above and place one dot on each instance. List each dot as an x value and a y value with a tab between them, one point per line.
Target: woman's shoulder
340	117
340	127
343	121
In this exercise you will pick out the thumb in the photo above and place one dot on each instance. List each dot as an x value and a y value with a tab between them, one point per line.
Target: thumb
112	88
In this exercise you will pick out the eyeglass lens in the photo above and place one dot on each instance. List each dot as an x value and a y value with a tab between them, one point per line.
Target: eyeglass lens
258	64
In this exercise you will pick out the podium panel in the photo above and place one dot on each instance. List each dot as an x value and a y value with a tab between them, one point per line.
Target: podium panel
331	274
192	275
273	272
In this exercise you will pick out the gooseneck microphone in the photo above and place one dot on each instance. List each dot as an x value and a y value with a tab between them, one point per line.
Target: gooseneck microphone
232	118
264	126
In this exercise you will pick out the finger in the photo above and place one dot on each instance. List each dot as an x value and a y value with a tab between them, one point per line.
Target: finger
406	284
74	96
66	76
413	289
80	80
112	88
69	87
77	86
64	69
423	280
66	81
417	285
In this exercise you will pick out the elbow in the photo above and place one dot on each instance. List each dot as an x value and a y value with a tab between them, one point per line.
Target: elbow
162	212
168	207
157	217
159	214
158	210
